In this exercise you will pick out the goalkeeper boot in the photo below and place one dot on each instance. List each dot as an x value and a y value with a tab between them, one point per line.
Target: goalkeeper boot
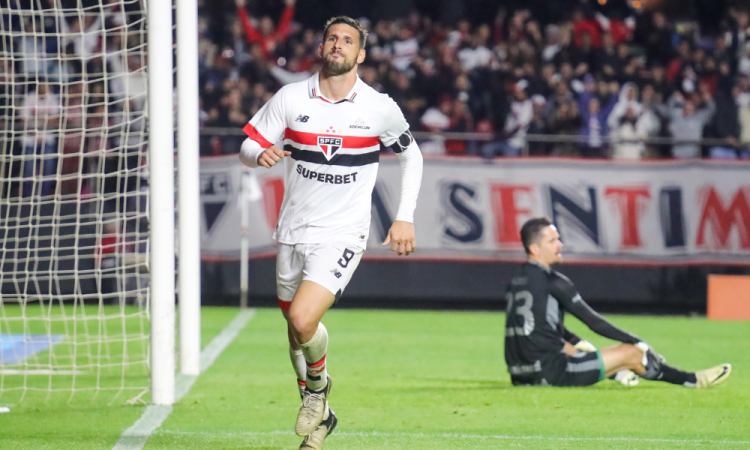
314	440
314	406
713	376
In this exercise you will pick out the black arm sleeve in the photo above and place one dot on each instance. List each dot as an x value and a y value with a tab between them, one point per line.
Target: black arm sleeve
571	337
563	290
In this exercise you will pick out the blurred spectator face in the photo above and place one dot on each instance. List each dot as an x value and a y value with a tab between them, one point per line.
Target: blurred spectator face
725	69
743	18
699	56
462	83
602	88
594	105
684	50
566	71
548	71
658	73
266	26
659	20
519	94
710	65
647	94
607	41
552	34
688	108
586	40
721	44
631	94
446	106
744	84
622	50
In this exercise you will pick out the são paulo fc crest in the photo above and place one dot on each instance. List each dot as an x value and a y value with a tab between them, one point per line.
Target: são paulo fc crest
329	145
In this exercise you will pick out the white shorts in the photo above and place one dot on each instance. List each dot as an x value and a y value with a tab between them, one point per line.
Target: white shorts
330	266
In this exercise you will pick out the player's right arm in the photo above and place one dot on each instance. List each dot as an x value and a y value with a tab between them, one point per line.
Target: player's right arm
265	128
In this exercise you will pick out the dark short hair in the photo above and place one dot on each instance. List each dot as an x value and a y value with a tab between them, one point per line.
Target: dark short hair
348	21
532	229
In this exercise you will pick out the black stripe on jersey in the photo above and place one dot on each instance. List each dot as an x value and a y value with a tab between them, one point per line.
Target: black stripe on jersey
338	160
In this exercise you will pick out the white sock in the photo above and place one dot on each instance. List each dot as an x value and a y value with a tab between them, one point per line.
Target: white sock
300	367
315	356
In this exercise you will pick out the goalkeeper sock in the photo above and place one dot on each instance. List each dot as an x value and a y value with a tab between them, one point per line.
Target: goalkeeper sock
658	371
300	367
315	357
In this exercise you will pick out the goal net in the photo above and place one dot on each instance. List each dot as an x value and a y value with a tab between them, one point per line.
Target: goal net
74	319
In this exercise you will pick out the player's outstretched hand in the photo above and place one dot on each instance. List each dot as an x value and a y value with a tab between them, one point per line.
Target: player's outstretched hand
271	156
401	238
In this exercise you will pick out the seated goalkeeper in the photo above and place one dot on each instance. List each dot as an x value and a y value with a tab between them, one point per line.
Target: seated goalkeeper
539	350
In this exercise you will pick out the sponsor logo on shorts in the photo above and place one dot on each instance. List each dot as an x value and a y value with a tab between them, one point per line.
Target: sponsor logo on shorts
336	273
326	177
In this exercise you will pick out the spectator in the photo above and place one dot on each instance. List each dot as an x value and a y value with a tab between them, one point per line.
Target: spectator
437	119
594	129
538	126
686	122
266	36
41	114
726	124
516	125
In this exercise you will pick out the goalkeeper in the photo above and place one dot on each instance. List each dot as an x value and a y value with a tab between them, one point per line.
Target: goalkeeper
539	350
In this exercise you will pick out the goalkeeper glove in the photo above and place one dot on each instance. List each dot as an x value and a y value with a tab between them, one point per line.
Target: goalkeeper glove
585	346
645	349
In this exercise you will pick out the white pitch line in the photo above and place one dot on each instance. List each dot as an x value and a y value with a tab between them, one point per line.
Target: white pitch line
462	436
135	437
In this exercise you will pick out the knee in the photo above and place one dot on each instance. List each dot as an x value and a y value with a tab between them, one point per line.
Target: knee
634	355
302	325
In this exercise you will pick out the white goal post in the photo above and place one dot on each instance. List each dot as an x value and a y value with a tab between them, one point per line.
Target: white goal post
87	199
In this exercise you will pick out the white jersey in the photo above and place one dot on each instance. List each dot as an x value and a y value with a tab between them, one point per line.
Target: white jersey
335	150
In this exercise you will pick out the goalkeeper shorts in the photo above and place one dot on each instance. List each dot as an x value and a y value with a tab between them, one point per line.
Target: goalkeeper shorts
330	266
560	369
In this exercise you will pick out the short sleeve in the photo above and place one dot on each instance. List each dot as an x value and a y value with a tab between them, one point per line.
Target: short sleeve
269	124
397	124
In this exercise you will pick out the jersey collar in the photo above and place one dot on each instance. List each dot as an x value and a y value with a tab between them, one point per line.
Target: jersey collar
531	261
313	87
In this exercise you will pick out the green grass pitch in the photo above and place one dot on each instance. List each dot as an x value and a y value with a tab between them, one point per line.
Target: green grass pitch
421	380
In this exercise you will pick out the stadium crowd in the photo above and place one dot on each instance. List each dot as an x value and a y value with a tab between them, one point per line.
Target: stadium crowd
590	81
606	82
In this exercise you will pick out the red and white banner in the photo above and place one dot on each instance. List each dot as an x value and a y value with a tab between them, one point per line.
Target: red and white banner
608	212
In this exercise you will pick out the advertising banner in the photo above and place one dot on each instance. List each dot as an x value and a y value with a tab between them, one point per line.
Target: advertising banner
607	212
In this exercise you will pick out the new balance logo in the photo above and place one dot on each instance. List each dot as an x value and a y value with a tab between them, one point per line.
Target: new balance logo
336	273
302	118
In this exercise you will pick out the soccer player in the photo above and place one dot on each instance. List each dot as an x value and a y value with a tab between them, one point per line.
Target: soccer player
332	126
539	350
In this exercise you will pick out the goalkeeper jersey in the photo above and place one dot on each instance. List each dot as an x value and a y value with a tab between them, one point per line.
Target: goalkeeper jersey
335	150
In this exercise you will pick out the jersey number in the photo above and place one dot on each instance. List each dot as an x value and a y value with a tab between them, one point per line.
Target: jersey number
522	310
345	258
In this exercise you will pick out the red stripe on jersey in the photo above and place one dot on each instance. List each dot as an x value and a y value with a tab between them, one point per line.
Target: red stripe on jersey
304	138
255	135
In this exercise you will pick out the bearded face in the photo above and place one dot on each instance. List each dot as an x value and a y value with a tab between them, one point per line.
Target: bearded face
336	63
340	49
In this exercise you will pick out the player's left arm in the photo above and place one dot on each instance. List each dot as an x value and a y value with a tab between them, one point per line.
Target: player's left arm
565	292
401	235
397	137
